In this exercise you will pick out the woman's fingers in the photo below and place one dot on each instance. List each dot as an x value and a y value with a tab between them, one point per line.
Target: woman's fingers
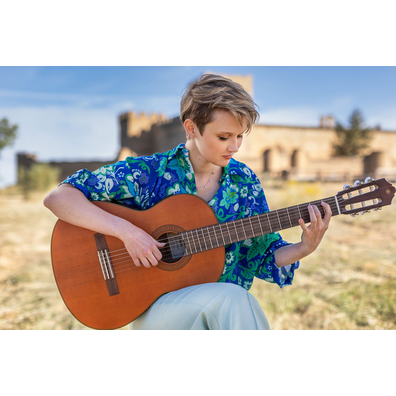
328	214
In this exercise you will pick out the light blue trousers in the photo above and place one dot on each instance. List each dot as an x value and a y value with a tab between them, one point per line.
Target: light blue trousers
211	306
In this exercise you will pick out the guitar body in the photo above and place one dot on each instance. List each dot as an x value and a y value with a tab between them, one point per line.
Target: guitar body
80	277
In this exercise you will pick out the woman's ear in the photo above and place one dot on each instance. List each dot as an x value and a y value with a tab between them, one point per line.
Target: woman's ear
190	128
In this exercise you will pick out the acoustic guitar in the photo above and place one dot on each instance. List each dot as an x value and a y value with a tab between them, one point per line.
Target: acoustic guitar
102	287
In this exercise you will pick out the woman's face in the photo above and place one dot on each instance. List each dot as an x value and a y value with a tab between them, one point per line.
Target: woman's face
221	138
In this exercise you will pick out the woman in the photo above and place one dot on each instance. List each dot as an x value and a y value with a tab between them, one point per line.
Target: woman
216	114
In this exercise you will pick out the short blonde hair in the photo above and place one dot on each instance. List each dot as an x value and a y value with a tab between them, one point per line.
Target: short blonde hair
212	92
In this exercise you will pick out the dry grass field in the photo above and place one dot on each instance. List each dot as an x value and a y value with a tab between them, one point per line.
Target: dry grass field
348	283
29	298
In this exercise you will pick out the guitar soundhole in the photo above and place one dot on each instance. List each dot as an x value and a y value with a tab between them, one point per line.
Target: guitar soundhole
173	253
174	249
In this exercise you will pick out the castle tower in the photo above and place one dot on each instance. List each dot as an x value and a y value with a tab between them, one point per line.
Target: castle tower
132	125
327	122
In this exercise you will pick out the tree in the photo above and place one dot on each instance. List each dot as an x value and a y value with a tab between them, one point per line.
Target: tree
8	133
353	140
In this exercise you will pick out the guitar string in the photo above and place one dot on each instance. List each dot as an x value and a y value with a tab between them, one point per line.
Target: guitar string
124	257
166	252
255	222
122	266
240	227
128	267
285	213
255	219
334	207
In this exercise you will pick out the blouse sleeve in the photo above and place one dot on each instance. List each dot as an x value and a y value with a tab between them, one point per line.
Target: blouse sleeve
131	181
268	270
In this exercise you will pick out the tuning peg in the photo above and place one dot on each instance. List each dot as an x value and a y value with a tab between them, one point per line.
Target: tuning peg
347	186
355	214
357	183
368	179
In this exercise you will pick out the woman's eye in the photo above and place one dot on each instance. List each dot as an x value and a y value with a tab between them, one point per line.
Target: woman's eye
224	138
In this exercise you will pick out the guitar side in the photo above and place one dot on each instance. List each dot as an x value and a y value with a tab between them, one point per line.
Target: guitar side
80	278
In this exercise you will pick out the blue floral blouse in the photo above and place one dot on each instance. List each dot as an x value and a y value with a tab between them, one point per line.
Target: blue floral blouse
141	182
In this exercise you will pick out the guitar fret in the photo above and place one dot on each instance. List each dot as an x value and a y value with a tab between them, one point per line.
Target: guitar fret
204	238
236	231
261	228
243	228
298	207
187	247
285	218
254	234
222	236
210	239
192	237
215	234
229	235
190	242
269	222
196	231
287	210
293	216
280	225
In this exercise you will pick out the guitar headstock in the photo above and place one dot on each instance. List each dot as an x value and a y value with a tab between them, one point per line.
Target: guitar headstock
365	196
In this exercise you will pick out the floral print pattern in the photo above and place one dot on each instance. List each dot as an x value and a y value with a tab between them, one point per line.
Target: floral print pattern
141	182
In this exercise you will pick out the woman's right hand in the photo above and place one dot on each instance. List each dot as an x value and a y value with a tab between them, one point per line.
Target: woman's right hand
141	246
69	204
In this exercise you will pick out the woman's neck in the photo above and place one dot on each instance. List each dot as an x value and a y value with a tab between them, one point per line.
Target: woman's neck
200	165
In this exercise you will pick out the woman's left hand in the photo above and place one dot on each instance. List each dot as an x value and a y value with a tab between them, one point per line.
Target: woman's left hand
313	234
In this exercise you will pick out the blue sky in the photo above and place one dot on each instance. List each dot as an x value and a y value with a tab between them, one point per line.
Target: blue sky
71	112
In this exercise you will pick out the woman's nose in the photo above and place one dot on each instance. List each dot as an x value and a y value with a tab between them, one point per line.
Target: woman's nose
233	146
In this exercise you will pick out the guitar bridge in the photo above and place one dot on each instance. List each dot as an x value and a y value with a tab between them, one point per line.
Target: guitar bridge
105	264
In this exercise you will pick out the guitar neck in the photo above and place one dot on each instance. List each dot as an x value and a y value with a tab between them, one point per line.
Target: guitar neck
211	237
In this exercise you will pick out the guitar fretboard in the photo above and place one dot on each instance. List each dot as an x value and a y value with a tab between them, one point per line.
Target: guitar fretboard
211	237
